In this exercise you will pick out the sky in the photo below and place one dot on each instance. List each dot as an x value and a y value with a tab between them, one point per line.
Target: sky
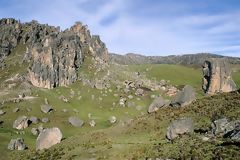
148	27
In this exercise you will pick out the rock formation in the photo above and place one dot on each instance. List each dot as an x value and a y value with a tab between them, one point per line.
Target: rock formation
54	56
217	76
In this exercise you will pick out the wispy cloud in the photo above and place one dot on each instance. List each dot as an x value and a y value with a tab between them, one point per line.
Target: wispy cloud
143	26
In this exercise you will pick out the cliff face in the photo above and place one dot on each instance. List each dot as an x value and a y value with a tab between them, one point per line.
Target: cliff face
217	76
54	56
10	31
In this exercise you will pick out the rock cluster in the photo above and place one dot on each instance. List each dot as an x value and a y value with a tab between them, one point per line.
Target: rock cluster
217	76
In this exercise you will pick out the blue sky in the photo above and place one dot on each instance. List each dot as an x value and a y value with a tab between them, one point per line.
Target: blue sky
149	27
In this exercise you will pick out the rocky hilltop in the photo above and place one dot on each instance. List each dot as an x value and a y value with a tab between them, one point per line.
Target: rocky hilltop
187	59
54	56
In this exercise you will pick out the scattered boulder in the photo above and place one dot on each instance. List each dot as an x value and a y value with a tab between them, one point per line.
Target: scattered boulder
156	104
139	92
2	112
122	102
46	108
34	119
35	131
15	110
92	123
217	76
226	129
21	123
45	120
64	99
179	127
220	126
184	97
48	137
75	121
112	119
17	144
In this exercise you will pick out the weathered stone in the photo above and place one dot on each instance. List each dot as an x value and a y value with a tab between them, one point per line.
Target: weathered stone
92	123
112	119
46	108
15	110
35	131
21	122
217	76
139	92
2	112
48	137
184	97
17	144
179	127
34	119
75	121
156	104
45	120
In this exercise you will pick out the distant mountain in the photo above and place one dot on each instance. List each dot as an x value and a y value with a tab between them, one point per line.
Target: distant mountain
187	59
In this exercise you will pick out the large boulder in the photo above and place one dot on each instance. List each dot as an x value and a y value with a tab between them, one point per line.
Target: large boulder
157	103
184	97
179	127
48	137
21	123
75	121
17	144
217	76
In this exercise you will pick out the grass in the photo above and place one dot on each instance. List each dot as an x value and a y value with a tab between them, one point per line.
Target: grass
136	135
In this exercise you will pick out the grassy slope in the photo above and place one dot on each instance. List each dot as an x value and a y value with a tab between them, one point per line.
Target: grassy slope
139	136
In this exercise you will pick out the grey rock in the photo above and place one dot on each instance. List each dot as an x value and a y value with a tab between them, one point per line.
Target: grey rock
75	121
179	127
156	104
21	123
184	97
17	144
48	137
15	110
45	120
220	126
46	108
34	119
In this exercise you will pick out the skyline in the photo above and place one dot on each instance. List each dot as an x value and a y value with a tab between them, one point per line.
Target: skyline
147	27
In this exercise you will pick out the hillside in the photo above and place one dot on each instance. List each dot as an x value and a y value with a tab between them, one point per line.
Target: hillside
66	80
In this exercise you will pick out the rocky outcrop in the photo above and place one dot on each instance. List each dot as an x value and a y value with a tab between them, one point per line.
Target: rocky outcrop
10	30
54	56
217	76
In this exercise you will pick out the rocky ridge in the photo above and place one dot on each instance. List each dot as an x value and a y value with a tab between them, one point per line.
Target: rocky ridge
54	56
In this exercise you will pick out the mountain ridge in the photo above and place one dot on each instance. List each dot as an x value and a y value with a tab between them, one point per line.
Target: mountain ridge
185	59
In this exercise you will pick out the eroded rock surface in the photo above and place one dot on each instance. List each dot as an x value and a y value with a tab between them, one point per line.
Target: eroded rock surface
217	76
